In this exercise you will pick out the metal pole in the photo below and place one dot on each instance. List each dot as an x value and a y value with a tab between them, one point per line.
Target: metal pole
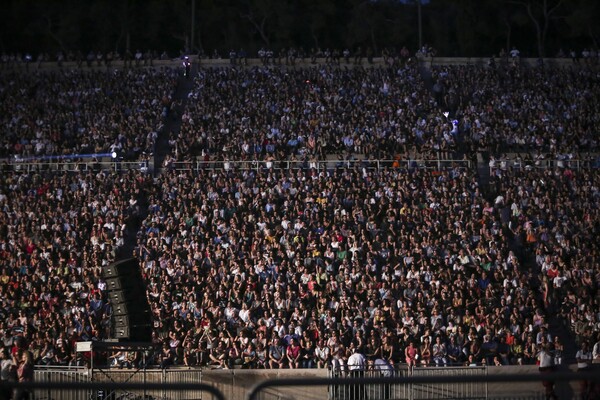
420	24
193	27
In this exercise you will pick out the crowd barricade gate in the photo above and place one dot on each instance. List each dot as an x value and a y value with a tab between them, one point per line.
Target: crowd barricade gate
166	378
413	391
60	375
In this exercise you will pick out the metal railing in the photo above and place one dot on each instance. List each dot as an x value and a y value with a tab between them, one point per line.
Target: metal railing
518	164
163	380
75	166
468	389
355	385
61	376
356	388
318	165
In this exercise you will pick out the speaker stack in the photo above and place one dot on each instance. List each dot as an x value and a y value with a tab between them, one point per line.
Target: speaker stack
131	318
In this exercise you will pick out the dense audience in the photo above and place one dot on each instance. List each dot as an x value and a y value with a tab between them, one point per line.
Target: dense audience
74	112
56	234
263	113
283	268
243	264
508	109
554	213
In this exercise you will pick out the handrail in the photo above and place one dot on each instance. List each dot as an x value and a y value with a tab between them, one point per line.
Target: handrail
593	376
318	165
518	164
113	386
68	166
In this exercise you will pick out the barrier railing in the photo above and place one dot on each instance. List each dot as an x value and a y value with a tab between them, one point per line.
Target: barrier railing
471	390
70	166
318	165
61	376
166	378
354	384
356	387
518	164
115	390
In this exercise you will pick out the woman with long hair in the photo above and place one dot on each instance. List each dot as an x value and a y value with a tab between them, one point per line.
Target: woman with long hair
24	362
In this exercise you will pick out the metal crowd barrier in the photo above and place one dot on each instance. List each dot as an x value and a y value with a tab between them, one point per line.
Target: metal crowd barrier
72	383
152	383
61	376
469	389
358	387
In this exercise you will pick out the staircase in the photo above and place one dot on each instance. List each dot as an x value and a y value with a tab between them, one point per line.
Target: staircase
173	119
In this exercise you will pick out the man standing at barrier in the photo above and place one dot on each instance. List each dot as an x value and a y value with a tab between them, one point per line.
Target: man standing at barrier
584	364
546	365
357	364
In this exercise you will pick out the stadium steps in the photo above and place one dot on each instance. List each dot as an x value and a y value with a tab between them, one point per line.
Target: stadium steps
425	72
173	119
559	326
133	224
483	174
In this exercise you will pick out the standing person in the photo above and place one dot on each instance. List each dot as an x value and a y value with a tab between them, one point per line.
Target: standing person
596	349
546	366
584	364
24	362
357	364
412	354
8	372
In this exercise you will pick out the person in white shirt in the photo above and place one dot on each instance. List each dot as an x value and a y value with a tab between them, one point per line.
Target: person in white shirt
322	354
584	364
357	361
357	364
596	351
546	365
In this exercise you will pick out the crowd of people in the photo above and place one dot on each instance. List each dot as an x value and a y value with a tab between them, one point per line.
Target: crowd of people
405	266
304	268
512	109
57	232
309	113
74	112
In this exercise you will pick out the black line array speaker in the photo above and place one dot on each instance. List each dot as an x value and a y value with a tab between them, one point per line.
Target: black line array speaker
131	319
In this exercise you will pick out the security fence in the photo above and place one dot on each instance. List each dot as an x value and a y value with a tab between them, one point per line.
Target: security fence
358	386
474	389
166	378
423	383
61	376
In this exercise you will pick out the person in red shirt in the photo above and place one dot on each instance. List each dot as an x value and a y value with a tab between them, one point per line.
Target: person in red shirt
293	354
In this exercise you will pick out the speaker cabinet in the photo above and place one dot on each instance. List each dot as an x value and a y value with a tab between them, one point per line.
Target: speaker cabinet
131	318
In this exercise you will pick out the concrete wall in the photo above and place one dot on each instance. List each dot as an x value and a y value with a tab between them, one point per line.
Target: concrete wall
237	383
